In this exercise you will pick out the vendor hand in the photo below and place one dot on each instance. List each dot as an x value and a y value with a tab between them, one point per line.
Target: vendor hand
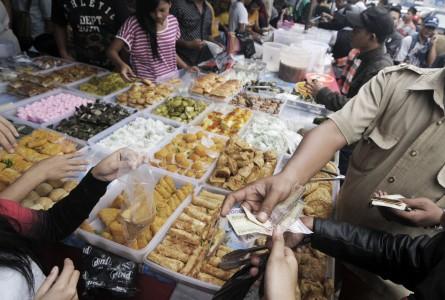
8	135
117	163
313	87
261	196
281	271
63	287
327	16
197	44
61	167
126	72
424	213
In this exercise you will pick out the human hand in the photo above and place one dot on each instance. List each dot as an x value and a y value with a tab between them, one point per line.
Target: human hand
261	196
327	16
281	271
313	87
424	213
61	287
8	135
117	163
197	44
126	72
60	166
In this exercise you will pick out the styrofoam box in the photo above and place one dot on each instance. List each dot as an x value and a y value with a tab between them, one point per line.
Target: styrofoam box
187	280
12	113
78	84
189	129
222	108
177	129
114	189
93	139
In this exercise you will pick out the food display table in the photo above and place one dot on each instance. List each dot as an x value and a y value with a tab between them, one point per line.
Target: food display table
194	137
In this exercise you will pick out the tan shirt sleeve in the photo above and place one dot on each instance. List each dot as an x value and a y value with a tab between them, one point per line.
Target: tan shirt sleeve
353	119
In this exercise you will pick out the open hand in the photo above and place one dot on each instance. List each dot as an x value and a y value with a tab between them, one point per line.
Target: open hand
8	135
61	166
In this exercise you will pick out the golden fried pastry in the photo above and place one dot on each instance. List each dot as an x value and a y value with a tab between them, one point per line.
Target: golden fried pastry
9	176
43	189
57	194
108	215
70	185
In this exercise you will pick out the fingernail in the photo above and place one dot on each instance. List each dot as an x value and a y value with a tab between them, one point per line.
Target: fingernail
54	269
262	216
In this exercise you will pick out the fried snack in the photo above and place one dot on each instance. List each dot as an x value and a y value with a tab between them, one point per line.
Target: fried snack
57	194
226	124
9	176
141	96
215	86
189	154
240	164
108	215
189	240
134	213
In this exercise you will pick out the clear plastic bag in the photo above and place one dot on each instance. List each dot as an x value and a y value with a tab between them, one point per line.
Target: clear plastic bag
139	208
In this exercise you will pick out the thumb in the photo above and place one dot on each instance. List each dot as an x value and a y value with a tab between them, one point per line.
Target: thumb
271	200
277	243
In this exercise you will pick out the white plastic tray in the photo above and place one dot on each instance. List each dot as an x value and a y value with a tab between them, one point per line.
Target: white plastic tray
188	129
98	138
93	139
76	87
114	189
204	112
187	280
12	113
222	108
263	96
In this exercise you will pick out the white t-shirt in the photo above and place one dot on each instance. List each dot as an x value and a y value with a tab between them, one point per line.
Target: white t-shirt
237	15
13	285
360	5
404	52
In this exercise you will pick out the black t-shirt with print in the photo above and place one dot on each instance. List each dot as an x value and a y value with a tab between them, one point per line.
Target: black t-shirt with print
94	24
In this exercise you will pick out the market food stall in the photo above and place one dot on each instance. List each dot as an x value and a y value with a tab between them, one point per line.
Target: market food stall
206	135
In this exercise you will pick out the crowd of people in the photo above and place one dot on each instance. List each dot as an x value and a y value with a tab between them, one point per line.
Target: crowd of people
388	124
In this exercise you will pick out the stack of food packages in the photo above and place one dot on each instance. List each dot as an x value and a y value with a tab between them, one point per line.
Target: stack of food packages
215	86
314	266
105	85
116	220
227	124
39	145
192	246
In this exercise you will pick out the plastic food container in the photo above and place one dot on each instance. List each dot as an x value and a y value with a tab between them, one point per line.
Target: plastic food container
114	189
271	55
294	63
287	37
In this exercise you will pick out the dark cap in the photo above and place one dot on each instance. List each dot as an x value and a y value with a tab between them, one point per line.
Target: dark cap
431	21
374	19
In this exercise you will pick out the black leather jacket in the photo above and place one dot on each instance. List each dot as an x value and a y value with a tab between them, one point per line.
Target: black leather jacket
372	62
416	263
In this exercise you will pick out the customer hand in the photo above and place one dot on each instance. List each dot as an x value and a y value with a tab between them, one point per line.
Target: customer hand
192	69
8	135
261	196
117	163
313	87
281	271
60	167
126	72
61	287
